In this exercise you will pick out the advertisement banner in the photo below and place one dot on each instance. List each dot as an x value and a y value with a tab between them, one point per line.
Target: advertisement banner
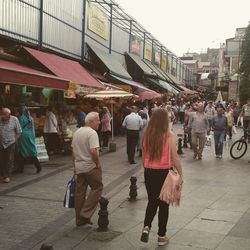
98	21
135	45
148	51
157	57
164	61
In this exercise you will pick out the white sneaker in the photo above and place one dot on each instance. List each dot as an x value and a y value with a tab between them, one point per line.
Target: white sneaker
163	240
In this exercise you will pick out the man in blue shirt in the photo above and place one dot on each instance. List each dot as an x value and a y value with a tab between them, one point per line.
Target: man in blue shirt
219	127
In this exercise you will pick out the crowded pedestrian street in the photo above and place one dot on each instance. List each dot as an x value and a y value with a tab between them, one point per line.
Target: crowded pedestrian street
213	214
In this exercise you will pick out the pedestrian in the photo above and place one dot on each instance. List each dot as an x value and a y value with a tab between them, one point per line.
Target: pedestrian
144	118
159	155
210	112
219	127
198	124
27	150
80	117
133	123
236	113
87	167
50	131
10	131
171	116
105	126
245	113
230	122
182	109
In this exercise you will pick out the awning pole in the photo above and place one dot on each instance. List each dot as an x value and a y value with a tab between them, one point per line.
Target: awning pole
112	121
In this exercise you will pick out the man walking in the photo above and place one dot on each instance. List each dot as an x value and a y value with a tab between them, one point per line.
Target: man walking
198	124
219	127
210	112
10	131
87	167
133	123
245	113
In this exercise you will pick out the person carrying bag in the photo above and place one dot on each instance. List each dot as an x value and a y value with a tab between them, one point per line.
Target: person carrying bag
159	156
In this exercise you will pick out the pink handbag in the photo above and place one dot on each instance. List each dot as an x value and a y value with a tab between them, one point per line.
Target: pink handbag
171	189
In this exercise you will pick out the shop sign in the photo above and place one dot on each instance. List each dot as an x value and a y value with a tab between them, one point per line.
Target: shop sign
148	52
98	21
135	45
76	89
163	61
157	57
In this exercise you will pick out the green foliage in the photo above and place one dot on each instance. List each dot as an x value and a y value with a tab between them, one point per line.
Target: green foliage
245	55
244	91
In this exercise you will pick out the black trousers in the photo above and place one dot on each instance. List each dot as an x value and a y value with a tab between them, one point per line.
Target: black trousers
132	140
154	180
105	138
52	142
7	157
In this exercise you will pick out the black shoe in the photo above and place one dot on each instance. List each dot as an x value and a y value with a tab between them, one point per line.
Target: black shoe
132	162
38	169
145	233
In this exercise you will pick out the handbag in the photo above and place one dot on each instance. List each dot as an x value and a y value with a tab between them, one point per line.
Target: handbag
171	188
69	197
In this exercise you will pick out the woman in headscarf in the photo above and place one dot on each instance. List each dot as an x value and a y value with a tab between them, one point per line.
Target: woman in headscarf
27	150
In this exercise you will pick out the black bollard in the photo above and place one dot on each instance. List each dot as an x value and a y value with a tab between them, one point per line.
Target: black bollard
103	213
179	151
133	189
46	246
185	145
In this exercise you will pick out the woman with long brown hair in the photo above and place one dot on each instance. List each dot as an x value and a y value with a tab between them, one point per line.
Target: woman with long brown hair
159	155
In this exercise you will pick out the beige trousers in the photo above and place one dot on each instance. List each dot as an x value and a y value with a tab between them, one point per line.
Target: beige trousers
86	206
198	143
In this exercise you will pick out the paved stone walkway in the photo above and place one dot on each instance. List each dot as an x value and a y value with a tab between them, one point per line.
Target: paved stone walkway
214	211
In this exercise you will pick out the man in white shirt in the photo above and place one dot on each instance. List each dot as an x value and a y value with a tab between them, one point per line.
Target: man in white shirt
133	123
50	132
85	145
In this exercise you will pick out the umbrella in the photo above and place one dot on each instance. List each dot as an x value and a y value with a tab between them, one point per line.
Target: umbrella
109	94
219	97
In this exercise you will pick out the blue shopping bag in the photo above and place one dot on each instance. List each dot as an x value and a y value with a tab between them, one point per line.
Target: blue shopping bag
69	198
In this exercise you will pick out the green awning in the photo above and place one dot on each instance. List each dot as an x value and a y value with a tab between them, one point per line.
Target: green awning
165	85
110	62
142	65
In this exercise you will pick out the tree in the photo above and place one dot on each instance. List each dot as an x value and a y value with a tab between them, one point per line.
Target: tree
245	67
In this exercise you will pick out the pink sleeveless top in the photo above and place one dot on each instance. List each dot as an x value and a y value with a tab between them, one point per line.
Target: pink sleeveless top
164	162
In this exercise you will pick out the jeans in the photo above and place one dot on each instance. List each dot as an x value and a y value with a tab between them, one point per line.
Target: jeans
154	180
219	141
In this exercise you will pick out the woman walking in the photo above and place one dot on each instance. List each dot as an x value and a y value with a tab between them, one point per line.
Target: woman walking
159	155
27	151
142	131
105	126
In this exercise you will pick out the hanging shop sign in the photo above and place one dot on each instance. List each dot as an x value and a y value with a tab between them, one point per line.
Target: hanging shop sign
135	45
98	21
148	52
157	57
163	61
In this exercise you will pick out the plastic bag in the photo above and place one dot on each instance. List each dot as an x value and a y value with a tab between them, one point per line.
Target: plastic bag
69	198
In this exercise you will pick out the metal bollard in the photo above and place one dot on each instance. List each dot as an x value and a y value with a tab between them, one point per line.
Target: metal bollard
46	246
103	213
185	145
133	189
179	151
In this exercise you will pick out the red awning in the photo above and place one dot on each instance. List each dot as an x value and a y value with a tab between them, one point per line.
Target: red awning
65	68
12	73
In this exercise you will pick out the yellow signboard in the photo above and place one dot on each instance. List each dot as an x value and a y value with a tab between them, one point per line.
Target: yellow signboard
163	61
148	51
98	21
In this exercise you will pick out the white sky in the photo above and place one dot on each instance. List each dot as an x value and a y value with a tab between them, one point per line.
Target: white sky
189	25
